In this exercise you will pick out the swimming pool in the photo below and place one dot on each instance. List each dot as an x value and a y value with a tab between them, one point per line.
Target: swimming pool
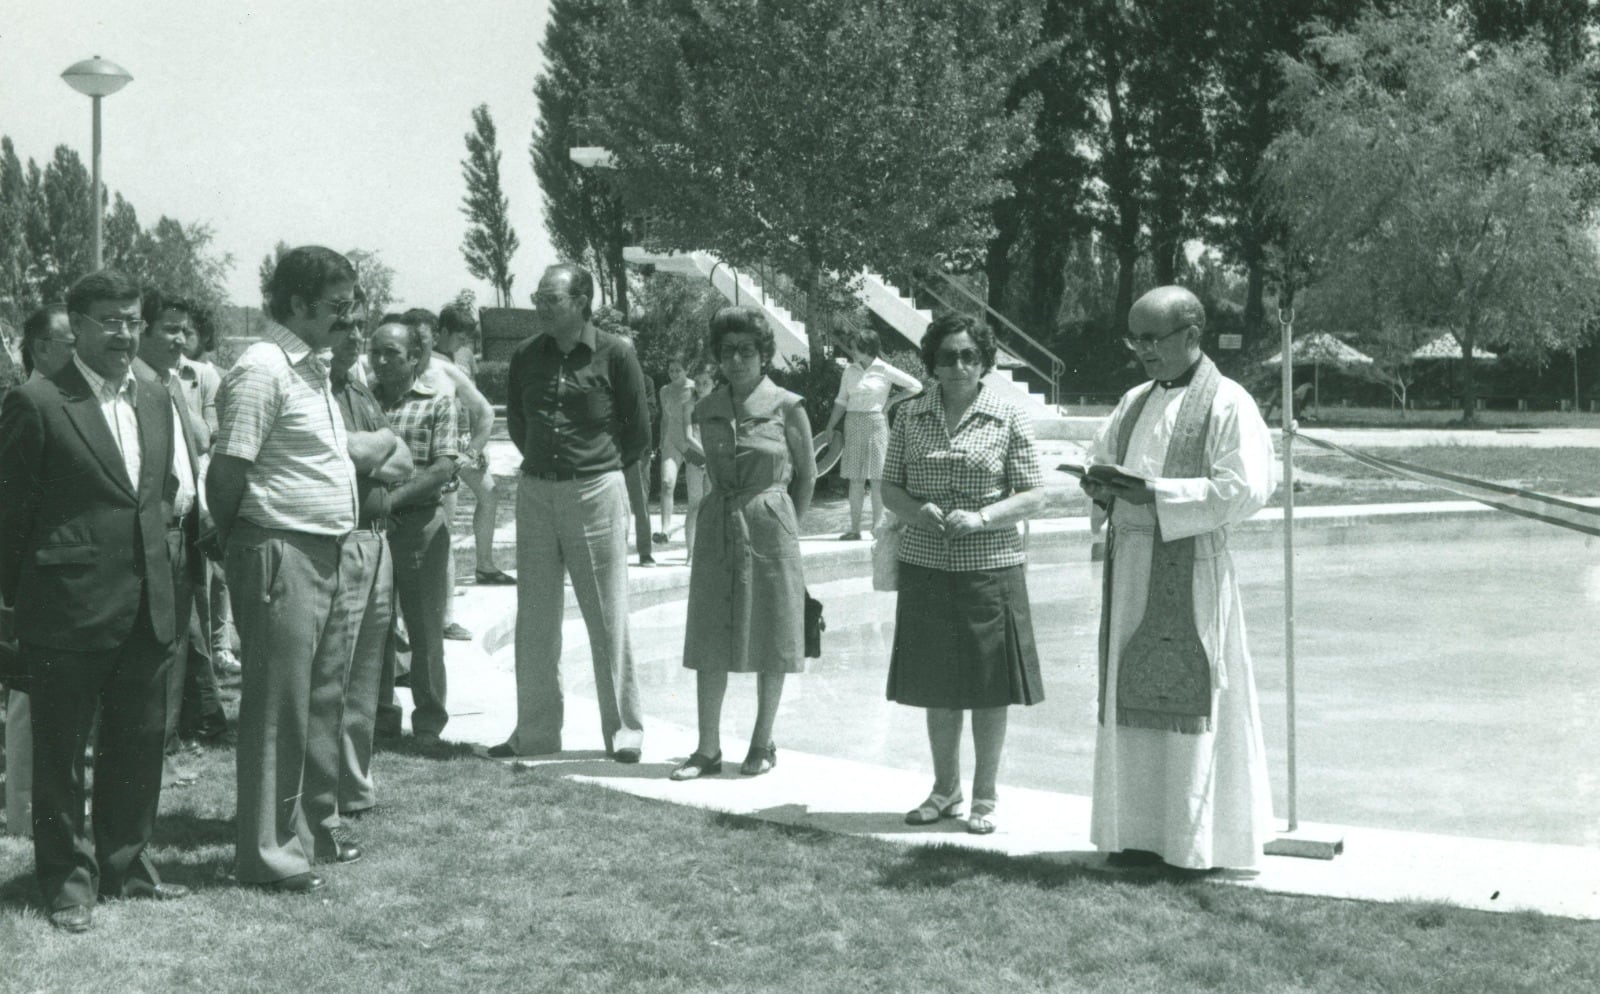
1447	679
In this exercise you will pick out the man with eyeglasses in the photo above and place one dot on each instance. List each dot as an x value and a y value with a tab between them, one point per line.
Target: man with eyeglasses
92	502
282	488
1180	768
577	411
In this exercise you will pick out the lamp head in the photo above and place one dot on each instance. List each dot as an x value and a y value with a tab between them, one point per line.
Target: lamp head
96	77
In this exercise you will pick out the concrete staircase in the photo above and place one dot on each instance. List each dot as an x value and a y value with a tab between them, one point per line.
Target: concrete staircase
880	296
901	313
738	286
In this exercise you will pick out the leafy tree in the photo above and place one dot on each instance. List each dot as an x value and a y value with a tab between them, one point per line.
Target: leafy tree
61	234
582	212
490	241
1567	27
376	279
269	264
122	233
15	257
1037	227
824	137
1254	39
1438	183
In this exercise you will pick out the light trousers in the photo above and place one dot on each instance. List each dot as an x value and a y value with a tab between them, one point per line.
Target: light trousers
289	590
576	527
371	597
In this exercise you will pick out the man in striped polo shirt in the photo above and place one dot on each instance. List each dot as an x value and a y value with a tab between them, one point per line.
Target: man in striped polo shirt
425	420
282	488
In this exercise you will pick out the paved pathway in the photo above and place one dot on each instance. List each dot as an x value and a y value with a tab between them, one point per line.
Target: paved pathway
855	798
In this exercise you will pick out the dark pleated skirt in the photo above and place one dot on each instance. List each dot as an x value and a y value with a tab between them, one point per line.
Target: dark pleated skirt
963	640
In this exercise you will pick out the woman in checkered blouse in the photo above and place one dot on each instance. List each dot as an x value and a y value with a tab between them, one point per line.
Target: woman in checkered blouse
961	471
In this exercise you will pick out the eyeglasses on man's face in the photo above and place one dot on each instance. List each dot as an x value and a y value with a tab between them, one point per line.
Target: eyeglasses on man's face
544	300
946	358
340	306
1138	343
115	324
744	350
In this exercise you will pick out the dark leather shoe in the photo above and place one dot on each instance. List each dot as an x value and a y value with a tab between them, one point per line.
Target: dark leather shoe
300	883
626	755
77	918
501	751
1132	858
345	850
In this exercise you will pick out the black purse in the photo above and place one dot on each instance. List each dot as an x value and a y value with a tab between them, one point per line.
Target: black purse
814	626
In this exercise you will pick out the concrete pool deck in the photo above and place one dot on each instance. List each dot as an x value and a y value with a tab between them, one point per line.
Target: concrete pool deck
832	794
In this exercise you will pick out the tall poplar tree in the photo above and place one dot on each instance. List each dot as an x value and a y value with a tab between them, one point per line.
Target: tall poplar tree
490	240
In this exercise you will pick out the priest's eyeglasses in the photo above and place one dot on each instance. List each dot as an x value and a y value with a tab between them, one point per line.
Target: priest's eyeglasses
1137	343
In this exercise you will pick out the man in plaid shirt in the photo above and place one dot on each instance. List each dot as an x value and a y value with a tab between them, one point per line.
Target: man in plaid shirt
418	532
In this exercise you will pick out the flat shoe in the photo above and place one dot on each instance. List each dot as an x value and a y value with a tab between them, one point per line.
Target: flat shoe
981	820
937	806
850	537
493	578
455	632
660	537
698	765
626	756
758	760
501	751
77	918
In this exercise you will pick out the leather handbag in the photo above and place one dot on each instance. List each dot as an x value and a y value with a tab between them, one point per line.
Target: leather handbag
886	552
814	626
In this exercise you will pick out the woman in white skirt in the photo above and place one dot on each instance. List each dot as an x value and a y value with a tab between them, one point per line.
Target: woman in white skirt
868	389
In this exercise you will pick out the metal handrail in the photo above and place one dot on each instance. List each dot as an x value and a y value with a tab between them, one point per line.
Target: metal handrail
1058	367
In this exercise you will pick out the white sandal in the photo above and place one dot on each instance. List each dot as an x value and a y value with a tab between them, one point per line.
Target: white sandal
937	806
981	820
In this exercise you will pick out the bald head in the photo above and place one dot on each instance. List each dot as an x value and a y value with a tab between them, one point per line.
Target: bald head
1172	305
1164	329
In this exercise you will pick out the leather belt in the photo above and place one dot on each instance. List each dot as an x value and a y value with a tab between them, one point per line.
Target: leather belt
564	475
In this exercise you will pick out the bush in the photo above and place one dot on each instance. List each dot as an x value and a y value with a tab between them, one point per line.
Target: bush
817	385
492	379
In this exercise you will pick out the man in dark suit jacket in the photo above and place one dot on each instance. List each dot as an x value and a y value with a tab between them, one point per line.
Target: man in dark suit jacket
87	481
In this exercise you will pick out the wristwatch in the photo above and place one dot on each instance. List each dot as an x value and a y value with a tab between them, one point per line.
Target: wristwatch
983	516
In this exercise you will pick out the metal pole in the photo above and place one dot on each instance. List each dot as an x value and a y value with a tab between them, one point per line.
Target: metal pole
1286	319
95	208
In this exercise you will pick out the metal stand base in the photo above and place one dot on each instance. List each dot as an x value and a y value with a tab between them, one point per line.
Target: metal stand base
1307	842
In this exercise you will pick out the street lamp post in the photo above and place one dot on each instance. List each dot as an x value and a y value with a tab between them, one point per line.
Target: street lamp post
96	78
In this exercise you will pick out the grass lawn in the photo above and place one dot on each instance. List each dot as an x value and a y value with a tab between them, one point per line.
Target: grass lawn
478	878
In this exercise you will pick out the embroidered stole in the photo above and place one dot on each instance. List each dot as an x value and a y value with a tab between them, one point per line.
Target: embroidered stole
1164	674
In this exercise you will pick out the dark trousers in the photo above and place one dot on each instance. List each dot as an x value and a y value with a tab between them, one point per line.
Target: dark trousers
75	863
637	479
194	706
420	540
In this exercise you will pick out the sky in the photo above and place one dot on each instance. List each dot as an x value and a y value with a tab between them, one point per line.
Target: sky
332	122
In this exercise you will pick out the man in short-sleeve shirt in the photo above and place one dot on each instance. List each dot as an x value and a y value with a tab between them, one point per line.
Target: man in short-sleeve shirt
282	490
418	527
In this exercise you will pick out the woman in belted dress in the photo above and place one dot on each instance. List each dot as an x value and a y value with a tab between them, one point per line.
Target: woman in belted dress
746	592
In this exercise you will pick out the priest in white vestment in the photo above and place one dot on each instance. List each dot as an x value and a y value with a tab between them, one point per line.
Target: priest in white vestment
1180	770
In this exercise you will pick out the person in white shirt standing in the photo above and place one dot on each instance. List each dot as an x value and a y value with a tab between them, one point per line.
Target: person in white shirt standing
868	389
